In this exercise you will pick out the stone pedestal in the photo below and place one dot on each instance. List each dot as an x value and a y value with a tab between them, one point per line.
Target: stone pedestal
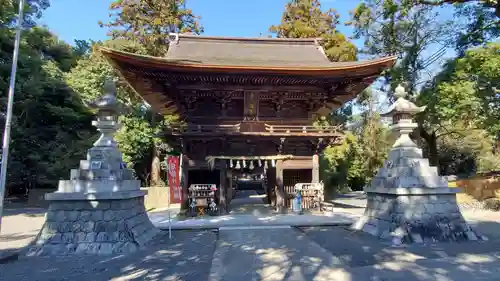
408	202
100	210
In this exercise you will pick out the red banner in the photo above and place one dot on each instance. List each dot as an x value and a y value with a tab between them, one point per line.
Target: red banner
174	180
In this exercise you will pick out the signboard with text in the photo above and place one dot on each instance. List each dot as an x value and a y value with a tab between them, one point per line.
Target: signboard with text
174	181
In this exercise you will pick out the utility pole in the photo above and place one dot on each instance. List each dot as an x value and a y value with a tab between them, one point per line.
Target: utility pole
10	104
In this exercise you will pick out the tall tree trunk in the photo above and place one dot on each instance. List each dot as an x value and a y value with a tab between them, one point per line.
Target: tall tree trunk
155	160
155	167
431	140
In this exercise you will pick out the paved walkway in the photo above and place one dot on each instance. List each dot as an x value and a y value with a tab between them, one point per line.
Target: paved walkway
269	251
249	202
20	226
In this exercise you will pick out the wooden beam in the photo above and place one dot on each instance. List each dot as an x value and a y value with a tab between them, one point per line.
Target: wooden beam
259	89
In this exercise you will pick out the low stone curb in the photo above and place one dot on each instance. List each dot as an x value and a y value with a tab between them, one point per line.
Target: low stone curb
214	226
10	255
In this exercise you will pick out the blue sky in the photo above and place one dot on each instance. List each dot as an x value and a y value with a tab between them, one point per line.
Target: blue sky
219	17
240	18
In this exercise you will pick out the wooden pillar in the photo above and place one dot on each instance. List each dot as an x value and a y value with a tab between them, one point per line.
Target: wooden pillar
280	192
315	168
229	187
185	183
222	189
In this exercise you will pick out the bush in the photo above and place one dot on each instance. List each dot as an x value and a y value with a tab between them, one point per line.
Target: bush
492	204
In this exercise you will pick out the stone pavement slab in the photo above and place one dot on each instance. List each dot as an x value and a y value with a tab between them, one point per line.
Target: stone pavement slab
245	197
186	257
268	254
357	249
465	267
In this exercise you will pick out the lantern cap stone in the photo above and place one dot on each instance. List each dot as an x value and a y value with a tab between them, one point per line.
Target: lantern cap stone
108	101
402	105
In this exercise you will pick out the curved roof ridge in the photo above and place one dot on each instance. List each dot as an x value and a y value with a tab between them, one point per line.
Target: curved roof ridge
113	54
244	39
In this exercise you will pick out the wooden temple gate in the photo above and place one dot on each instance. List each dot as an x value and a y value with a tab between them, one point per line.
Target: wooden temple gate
247	99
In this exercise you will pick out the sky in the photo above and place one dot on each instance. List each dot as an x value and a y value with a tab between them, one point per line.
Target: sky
237	18
77	19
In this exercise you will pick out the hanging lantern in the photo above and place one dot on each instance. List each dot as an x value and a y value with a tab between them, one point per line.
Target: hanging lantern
265	165
231	163
273	163
244	164
260	163
251	165
237	165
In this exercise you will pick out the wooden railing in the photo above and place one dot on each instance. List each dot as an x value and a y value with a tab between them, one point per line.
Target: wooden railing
302	129
272	129
200	129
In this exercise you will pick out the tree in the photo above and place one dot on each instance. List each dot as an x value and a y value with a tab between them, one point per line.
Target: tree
477	25
33	10
464	96
489	4
137	135
305	19
51	126
150	21
400	28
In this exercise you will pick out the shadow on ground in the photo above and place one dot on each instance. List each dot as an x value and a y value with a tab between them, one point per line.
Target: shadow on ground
29	212
186	257
312	253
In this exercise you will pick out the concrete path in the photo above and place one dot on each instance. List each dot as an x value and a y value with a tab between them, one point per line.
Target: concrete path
267	254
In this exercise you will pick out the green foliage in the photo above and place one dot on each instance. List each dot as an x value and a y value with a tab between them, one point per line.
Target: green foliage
32	11
137	134
403	29
51	127
351	165
150	21
481	24
466	92
91	71
305	19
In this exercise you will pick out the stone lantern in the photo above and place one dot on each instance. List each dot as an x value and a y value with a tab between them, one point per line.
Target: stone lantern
408	202
100	209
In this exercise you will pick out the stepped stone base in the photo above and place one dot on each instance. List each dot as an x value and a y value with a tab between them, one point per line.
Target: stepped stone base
99	227
415	218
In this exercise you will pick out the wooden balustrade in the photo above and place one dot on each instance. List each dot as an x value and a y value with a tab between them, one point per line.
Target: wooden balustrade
302	129
200	129
263	128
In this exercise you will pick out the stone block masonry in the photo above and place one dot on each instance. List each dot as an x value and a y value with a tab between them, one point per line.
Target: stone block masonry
412	218
100	209
408	202
94	227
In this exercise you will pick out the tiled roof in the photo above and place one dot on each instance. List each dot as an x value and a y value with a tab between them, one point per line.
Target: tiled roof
226	51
